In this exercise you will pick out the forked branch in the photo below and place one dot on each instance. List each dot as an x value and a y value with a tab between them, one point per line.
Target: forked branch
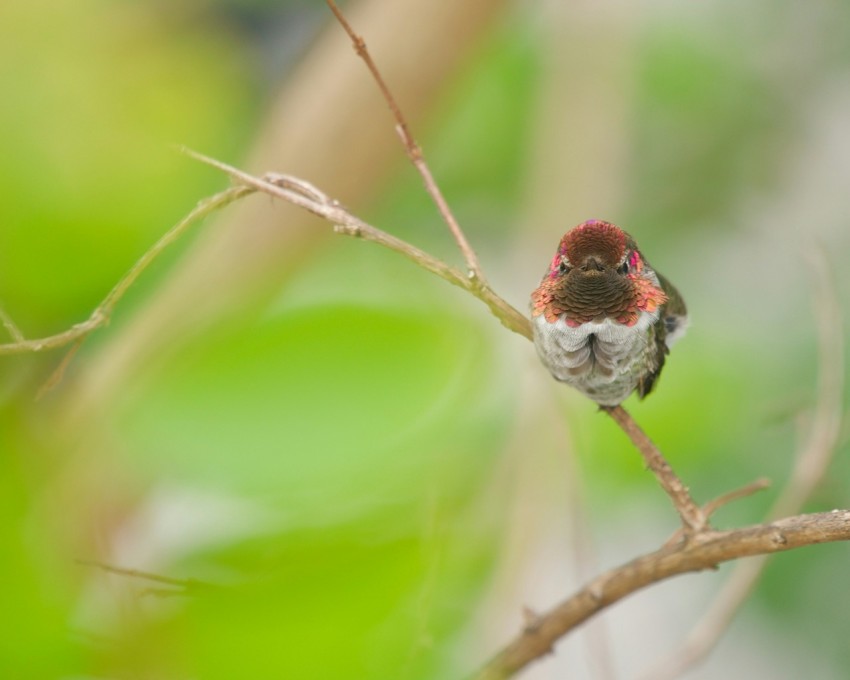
308	197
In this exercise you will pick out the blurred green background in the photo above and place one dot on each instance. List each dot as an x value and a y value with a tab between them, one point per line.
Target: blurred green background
368	473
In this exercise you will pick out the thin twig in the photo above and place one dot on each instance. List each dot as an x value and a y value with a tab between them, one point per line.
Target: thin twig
187	584
101	314
59	372
10	326
736	494
313	200
413	150
693	517
714	505
811	464
707	549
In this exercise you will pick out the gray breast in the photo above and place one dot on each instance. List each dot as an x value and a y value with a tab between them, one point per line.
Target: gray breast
604	360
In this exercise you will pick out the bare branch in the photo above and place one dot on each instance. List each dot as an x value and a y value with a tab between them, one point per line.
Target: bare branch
693	517
185	585
100	316
308	197
414	152
706	550
811	464
59	372
736	494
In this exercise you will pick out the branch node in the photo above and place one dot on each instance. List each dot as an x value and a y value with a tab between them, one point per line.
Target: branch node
299	186
348	230
531	620
595	592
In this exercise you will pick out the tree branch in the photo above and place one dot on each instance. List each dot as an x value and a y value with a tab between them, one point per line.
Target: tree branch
736	494
185	586
693	517
705	551
414	152
308	197
101	314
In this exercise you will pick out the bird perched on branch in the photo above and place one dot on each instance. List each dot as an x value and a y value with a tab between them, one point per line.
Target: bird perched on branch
603	318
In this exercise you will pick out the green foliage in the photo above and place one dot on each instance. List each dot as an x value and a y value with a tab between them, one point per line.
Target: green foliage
709	130
367	407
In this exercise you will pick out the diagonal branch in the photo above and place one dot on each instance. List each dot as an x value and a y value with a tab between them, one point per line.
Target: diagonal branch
693	517
310	198
706	551
101	314
413	150
10	326
186	586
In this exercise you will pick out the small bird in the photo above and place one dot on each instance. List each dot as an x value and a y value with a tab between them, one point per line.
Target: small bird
603	318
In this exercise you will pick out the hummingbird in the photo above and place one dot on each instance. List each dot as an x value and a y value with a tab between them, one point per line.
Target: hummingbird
603	318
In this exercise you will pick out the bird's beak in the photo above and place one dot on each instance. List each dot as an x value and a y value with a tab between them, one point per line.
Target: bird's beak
592	265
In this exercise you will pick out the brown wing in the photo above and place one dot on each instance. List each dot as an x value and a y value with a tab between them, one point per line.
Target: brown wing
672	318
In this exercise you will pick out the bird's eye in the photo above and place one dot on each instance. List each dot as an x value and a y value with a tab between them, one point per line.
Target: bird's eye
623	268
563	268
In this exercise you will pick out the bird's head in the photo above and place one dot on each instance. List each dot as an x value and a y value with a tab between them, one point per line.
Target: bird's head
597	273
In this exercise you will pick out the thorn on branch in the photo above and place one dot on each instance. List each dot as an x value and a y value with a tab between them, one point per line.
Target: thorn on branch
531	627
531	619
595	592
